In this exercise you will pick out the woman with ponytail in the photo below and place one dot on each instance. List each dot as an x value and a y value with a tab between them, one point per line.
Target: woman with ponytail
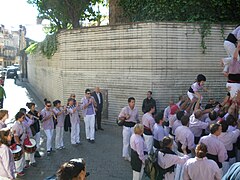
200	167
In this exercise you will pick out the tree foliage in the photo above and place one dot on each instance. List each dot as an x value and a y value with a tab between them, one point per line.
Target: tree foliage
216	11
64	14
48	47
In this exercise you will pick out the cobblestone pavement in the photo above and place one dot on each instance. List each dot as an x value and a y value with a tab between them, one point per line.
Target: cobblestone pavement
103	158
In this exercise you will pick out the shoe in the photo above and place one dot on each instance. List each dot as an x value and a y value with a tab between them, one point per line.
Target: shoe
33	164
101	129
127	159
62	147
78	143
92	141
53	151
21	174
48	153
88	140
37	154
27	166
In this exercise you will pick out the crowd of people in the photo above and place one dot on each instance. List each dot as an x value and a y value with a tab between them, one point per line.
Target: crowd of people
19	144
191	142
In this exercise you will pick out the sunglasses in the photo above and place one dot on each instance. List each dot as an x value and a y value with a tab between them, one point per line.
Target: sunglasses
88	93
49	105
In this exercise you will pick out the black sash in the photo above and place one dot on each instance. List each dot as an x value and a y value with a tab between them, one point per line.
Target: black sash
180	148
171	168
196	139
136	163
190	90
231	154
231	38
147	131
233	78
215	158
129	124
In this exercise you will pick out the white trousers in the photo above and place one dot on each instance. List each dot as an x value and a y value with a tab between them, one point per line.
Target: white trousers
127	132
90	126
49	134
30	157
75	133
148	139
179	167
37	139
20	164
225	167
192	95
4	178
59	137
138	175
233	88
229	48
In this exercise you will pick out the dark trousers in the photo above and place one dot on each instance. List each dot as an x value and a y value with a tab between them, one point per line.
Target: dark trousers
98	119
1	103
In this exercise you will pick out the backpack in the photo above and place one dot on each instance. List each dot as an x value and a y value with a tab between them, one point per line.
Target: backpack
152	169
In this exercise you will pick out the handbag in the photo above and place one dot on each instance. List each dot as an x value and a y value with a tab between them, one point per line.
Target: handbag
120	122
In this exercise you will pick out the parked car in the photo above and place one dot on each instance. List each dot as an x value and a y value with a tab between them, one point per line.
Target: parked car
12	73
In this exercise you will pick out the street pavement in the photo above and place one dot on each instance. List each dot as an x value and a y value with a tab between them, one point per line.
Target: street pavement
103	158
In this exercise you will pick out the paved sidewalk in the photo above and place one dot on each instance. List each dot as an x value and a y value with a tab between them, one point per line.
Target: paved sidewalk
103	159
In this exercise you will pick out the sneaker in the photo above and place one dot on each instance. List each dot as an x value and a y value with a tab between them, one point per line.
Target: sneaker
48	153
37	154
63	147
21	174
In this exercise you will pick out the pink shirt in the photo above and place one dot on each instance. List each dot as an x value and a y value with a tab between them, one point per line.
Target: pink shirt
229	138
7	165
134	117
201	169
60	118
196	87
74	116
176	124
185	136
234	67
215	147
138	145
167	160
148	121
47	124
196	126
19	129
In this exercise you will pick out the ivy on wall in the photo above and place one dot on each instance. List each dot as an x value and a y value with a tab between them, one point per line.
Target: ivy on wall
48	47
204	12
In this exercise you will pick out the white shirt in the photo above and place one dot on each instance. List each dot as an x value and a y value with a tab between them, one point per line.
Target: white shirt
99	99
201	169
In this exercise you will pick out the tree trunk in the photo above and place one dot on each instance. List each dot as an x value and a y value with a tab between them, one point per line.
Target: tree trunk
116	14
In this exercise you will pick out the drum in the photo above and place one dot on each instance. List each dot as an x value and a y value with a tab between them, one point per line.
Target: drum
17	153
30	148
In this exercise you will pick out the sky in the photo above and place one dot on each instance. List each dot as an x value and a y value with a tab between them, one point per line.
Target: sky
18	12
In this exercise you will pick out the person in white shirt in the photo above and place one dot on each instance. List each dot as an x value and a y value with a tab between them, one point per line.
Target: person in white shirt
200	167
